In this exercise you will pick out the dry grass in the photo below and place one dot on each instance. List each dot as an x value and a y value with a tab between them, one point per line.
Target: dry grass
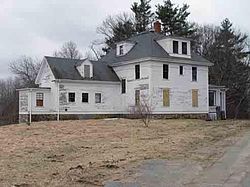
86	153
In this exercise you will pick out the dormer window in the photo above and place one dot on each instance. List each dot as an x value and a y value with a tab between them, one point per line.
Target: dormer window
184	48
85	68
87	71
121	50
175	47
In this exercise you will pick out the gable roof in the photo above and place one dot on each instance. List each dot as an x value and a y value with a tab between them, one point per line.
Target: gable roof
146	45
64	68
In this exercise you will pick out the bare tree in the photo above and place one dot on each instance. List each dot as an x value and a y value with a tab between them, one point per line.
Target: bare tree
68	50
26	69
9	100
143	110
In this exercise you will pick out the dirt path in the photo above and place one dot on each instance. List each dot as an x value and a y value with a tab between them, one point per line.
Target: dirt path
231	170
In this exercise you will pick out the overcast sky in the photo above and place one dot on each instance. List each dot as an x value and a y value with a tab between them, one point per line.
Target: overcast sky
38	27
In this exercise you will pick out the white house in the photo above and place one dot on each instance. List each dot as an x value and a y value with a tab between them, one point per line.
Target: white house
162	68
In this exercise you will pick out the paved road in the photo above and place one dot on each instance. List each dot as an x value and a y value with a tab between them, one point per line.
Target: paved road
231	170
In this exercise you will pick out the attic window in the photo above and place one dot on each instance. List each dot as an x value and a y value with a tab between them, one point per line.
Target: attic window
121	50
175	47
184	48
87	71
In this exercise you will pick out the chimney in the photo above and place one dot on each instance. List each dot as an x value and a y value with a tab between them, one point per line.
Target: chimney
157	27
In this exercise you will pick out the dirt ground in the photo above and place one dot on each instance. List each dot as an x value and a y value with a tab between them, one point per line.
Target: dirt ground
89	152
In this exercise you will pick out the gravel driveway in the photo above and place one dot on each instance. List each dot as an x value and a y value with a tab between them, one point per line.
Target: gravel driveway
231	170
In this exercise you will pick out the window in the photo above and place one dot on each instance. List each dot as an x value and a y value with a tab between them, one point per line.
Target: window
175	47
137	71
212	98
165	71
195	98
87	71
166	99
98	97
72	97
85	97
137	97
121	50
123	86
184	48
39	99
181	70
194	73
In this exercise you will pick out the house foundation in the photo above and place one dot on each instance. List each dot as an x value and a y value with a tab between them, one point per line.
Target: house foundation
24	118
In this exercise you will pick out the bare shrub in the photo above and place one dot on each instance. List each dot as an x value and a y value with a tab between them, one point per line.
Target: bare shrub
142	110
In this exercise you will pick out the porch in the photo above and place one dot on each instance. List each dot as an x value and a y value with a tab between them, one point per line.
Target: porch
217	102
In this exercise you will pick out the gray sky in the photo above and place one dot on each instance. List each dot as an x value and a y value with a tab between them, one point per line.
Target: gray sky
38	27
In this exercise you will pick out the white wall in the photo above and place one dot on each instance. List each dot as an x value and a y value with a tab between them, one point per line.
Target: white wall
110	94
180	88
128	72
151	81
27	102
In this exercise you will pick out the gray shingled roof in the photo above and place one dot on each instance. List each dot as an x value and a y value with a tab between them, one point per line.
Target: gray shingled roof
64	68
146	46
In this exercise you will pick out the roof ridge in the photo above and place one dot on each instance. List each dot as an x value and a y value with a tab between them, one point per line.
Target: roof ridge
64	58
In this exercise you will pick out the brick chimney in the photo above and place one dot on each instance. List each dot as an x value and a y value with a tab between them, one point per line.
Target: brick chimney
157	26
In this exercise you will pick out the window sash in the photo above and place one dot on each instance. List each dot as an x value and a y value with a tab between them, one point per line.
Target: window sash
85	97
72	97
181	70
123	86
184	48
98	98
194	73
137	71
175	47
165	71
121	51
39	99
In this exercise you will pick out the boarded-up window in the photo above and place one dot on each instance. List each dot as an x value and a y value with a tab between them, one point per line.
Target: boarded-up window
39	99
87	71
195	98
137	97
166	97
98	97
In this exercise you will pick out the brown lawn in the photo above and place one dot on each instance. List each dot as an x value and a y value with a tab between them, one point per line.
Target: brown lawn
87	153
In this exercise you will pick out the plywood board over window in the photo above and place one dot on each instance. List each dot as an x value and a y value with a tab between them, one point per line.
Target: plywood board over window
194	97
166	97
